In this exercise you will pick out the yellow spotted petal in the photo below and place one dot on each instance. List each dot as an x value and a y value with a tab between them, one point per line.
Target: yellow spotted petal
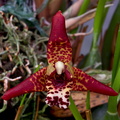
36	82
83	81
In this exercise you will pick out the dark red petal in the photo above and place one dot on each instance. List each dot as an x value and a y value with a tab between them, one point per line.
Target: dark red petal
82	81
35	82
59	47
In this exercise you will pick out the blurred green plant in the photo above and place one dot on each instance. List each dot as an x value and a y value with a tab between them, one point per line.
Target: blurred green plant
23	12
112	113
108	39
84	7
94	55
22	50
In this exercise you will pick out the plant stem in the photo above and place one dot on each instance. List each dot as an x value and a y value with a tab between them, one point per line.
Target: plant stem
19	112
88	110
112	113
88	100
98	21
20	109
23	99
88	115
34	107
112	104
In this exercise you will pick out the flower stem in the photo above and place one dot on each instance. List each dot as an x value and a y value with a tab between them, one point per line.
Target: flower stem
88	110
74	110
23	99
112	103
88	100
88	115
20	108
19	112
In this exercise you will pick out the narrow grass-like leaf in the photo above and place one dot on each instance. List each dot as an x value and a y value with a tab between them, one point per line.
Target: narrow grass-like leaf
116	64
116	75
98	20
34	106
112	103
94	56
84	7
88	110
74	110
23	99
88	100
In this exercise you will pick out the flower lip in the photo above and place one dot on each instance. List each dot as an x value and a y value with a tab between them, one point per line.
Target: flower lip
59	87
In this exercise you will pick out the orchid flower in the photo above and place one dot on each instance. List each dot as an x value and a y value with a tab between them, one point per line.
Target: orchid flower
59	77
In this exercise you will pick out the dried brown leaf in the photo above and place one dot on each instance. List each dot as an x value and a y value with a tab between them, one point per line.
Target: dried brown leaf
72	23
76	21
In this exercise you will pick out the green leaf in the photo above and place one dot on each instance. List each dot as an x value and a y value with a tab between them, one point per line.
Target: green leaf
94	56
112	103
98	21
116	64
84	7
74	110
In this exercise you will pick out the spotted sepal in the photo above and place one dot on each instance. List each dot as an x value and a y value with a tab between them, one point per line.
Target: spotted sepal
83	82
59	47
35	82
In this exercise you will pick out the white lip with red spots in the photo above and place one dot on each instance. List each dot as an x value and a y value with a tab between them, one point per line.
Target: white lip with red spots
59	84
59	97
